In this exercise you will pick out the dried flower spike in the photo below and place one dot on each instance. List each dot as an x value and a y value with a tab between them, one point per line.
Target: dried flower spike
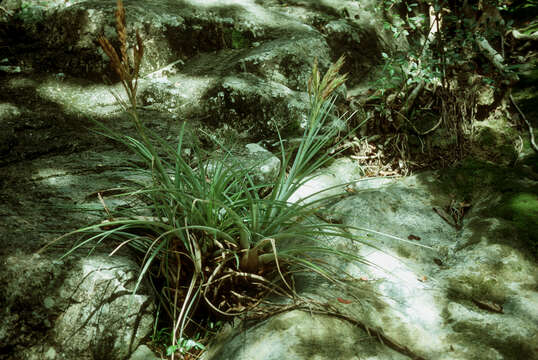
122	31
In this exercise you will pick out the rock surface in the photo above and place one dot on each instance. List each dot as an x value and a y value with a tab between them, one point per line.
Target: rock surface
83	308
261	165
460	285
245	73
248	67
232	69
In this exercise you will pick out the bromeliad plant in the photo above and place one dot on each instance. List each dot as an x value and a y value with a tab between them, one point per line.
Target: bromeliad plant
215	240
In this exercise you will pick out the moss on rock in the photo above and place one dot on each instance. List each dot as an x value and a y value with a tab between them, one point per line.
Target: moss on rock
512	194
521	209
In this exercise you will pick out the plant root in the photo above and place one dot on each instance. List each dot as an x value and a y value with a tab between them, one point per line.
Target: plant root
531	131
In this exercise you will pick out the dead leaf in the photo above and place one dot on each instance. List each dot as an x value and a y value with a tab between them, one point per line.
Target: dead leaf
464	204
489	305
445	216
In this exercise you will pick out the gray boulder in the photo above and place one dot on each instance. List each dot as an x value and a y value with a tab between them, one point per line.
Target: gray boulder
459	284
247	68
262	166
234	69
79	309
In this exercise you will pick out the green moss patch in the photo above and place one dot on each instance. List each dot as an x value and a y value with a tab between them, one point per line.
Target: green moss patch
473	177
239	41
521	208
494	139
517	200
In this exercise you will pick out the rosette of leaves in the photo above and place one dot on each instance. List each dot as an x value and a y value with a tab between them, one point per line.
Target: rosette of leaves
215	239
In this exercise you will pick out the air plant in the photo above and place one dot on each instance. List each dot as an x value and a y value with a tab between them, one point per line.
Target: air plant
215	241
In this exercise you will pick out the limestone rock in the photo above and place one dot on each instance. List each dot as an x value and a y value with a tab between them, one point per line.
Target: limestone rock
143	353
248	67
261	165
78	309
461	284
240	65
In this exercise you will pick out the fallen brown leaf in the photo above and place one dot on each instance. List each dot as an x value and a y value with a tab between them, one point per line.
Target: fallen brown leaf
489	305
